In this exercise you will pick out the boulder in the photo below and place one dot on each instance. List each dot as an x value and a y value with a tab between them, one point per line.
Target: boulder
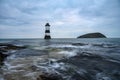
92	35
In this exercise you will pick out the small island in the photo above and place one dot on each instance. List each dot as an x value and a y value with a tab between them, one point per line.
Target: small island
92	35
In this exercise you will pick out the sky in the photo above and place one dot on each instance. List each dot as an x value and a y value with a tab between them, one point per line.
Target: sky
68	18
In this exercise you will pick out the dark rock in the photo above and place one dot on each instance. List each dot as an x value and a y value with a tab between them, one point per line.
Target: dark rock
81	76
4	47
93	64
2	57
33	67
79	44
50	76
102	76
98	69
30	52
116	74
87	55
92	35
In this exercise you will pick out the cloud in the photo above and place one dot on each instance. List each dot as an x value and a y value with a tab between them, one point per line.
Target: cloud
21	18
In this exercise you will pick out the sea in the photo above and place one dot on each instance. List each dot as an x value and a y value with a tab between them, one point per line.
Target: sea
72	59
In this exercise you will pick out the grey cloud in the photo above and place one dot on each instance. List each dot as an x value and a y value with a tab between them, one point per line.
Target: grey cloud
12	22
80	16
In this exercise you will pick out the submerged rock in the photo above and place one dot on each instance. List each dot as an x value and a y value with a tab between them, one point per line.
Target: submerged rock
92	35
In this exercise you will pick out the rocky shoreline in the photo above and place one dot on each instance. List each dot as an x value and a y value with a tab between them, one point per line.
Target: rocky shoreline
95	67
54	64
5	48
2	58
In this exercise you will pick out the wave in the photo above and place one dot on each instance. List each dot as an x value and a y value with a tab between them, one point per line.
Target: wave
71	61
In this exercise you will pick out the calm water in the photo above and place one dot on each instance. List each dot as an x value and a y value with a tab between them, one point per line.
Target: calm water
92	57
42	42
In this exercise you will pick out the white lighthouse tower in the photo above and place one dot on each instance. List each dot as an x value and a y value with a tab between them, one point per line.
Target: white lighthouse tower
47	31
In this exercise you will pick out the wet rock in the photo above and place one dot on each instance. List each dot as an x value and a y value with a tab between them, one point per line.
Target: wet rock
29	52
94	64
116	74
33	68
79	44
49	76
101	76
5	47
81	75
96	68
3	50
87	55
2	57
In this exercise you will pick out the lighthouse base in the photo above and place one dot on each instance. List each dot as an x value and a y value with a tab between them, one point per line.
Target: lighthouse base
47	37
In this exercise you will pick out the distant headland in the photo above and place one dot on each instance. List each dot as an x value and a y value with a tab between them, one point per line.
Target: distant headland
92	35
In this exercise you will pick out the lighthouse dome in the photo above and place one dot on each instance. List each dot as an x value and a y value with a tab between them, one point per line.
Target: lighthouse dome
47	24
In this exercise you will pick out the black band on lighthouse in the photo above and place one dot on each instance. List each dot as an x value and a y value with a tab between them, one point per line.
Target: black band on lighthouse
47	31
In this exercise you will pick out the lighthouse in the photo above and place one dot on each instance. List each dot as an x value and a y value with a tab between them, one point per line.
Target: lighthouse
47	31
